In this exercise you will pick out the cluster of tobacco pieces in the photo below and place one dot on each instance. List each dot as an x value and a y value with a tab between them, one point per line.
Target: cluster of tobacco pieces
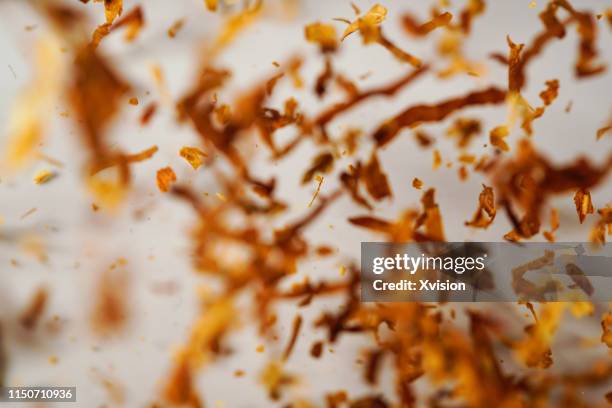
461	362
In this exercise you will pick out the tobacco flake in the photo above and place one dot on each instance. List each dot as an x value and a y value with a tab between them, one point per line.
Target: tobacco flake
165	178
584	206
486	212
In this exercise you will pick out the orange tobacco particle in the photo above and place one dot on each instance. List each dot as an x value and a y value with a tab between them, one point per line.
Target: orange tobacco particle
193	155
437	159
554	225
322	163
551	92
413	27
35	309
497	136
464	130
375	179
211	4
485	214
148	113
165	178
431	218
371	32
463	173
322	34
371	19
43	176
602	131
416	183
176	27
133	21
584	206
133	101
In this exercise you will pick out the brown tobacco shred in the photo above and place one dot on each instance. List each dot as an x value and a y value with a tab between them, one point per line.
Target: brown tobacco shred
350	181
372	18
317	349
271	84
31	315
95	94
515	80
397	52
584	206
336	399
334	111
416	183
324	78
437	159
423	139
529	114
132	22
472	9
194	156
295	331
587	30
551	92
369	402
375	179
180	390
464	130
122	160
320	180
371	223
28	213
516	184
323	163
554	225
371	32
211	5
602	131
485	214
499	57
345	84
422	29
603	226
110	311
433	113
148	113
165	178
523	287
112	9
579	278
497	136
176	27
553	28
463	173
431	218
373	366
322	34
